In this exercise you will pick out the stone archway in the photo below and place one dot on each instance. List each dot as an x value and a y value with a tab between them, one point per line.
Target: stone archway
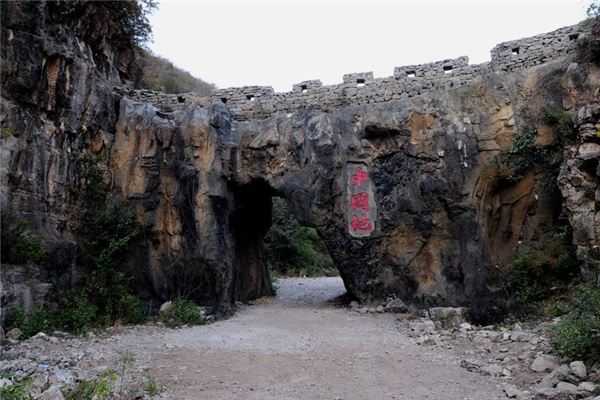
393	190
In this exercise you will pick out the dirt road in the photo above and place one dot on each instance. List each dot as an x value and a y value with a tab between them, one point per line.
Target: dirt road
299	346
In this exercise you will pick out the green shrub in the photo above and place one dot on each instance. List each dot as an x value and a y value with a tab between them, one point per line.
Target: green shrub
577	336
77	315
183	312
556	308
40	320
522	155
19	244
107	233
560	121
537	274
19	389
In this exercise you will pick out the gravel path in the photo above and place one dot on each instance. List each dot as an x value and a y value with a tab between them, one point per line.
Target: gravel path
299	346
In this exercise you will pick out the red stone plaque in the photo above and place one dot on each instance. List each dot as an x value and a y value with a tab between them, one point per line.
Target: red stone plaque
362	210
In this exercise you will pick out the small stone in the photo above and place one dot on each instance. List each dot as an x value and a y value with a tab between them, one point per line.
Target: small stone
519	336
566	387
395	306
39	335
547	381
587	387
547	392
449	317
379	309
492	370
470	366
465	326
5	382
578	369
53	393
425	326
512	392
425	340
544	363
14	333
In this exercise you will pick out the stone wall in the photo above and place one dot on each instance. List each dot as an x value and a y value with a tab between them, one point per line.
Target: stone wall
535	50
250	102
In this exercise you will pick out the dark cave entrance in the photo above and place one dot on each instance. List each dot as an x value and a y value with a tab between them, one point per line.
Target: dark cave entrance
252	220
269	242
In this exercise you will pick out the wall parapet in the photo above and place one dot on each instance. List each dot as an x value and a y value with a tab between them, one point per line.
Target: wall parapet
250	102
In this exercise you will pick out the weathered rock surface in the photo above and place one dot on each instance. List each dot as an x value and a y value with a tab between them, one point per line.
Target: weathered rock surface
402	190
578	181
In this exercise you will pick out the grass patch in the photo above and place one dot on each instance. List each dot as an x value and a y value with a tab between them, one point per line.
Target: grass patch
17	389
112	384
577	336
153	387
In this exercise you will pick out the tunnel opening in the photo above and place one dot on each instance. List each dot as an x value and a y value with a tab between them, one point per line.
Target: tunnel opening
272	249
293	249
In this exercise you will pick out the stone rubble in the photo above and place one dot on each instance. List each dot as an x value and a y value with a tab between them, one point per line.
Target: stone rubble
58	361
519	357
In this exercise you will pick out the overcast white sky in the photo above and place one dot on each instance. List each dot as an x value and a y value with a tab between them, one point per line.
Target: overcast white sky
279	44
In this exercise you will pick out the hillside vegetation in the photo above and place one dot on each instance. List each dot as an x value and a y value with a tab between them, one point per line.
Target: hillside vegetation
161	75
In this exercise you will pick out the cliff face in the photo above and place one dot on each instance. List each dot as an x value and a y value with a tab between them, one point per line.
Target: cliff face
56	101
402	189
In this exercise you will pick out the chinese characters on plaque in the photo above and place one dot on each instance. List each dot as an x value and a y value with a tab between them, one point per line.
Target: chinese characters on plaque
361	203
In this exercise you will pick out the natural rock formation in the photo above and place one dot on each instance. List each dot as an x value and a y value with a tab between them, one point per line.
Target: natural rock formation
402	189
578	181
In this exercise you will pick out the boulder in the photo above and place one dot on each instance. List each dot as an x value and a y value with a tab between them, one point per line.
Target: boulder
166	309
519	336
587	387
544	363
566	387
578	369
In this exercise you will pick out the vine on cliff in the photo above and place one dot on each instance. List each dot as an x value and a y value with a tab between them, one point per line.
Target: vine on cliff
522	155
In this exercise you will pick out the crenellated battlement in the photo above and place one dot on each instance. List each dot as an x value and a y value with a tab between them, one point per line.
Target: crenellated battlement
251	102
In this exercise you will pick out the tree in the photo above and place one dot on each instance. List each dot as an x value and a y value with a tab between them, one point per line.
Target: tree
124	21
594	9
